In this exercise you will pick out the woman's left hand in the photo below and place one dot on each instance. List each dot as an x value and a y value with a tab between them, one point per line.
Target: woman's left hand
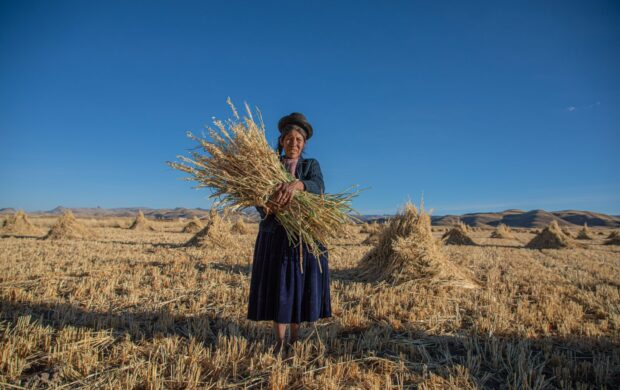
285	191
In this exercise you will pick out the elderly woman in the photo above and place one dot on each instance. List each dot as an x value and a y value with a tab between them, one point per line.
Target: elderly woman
279	291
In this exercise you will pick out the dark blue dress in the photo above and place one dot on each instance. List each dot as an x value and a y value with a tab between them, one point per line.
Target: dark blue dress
279	291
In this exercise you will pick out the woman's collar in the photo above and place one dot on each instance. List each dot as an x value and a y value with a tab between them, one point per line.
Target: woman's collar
299	159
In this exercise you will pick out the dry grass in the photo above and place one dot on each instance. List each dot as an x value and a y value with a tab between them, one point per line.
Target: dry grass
137	309
551	237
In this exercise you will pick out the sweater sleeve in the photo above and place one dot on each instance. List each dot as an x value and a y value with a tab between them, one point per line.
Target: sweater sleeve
314	181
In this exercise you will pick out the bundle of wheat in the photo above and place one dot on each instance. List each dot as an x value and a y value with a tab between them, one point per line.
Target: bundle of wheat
502	231
193	226
584	233
458	235
19	225
216	234
244	171
407	251
141	223
551	237
68	227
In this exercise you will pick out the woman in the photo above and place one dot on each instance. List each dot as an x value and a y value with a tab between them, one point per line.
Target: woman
279	291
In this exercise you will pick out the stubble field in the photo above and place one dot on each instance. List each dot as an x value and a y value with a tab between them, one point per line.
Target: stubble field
131	309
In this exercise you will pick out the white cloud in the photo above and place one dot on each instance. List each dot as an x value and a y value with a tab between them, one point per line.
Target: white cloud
575	108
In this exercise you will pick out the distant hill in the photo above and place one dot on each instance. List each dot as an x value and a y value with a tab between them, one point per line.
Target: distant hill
531	219
513	218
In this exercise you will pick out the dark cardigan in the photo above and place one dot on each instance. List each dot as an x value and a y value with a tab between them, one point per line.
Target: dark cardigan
307	171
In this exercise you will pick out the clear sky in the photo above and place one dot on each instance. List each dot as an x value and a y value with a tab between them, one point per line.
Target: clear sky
479	106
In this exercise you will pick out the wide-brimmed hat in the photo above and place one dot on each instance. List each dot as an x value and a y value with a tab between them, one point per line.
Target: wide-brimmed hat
298	119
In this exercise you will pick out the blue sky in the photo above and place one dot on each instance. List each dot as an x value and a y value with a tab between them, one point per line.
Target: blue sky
479	106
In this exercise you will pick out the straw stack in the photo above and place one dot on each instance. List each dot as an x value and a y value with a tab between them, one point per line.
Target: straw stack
68	227
216	234
584	233
18	224
502	231
458	235
406	251
551	237
193	226
240	227
141	223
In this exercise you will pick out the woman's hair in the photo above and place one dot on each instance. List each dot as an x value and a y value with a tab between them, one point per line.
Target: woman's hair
287	129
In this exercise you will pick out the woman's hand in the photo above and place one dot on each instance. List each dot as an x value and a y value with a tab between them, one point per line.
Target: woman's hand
284	193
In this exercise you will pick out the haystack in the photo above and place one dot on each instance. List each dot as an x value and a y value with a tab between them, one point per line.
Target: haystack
614	235
193	226
406	251
458	236
551	237
68	227
216	234
19	225
502	231
240	227
584	233
141	223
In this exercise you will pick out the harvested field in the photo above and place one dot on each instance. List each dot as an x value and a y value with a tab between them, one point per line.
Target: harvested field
139	309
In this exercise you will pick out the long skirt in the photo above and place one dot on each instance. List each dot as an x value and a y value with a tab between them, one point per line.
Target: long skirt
279	291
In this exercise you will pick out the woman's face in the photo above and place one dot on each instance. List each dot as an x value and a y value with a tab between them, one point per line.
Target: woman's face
293	143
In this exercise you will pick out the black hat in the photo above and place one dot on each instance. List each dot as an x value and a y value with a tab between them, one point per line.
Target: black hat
298	119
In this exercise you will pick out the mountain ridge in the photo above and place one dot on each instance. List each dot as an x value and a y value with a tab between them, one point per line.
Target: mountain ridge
512	217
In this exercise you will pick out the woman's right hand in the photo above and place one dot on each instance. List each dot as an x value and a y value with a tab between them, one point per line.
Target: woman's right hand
272	206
